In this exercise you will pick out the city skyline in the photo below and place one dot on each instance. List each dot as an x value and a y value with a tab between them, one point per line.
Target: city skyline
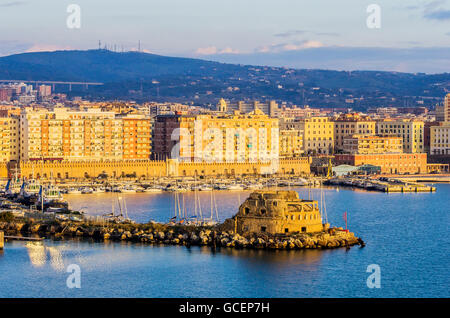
299	35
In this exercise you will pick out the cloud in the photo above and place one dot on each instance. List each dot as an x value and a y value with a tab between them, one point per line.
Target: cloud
440	15
285	47
290	33
212	50
12	4
293	33
434	11
47	48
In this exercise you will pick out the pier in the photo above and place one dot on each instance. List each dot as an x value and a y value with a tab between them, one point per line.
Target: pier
382	184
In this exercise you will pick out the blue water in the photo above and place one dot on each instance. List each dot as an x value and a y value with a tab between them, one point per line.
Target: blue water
406	235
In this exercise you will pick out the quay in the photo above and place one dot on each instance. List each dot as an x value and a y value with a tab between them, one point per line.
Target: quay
23	238
383	184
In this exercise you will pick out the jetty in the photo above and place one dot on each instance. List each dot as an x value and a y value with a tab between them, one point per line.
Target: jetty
382	184
305	232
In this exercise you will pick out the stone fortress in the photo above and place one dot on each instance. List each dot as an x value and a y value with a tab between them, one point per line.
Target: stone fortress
278	212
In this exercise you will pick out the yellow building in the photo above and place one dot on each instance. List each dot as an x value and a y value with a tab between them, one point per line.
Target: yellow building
440	139
291	143
347	125
411	131
211	138
63	134
363	144
9	141
318	135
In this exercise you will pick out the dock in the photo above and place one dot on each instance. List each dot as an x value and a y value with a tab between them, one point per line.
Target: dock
23	238
388	185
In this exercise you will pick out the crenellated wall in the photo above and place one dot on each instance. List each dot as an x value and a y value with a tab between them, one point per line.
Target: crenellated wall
147	168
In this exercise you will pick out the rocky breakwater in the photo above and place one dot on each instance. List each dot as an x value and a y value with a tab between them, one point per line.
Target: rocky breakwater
156	233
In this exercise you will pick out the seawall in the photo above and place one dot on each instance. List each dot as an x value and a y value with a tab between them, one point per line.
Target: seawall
156	233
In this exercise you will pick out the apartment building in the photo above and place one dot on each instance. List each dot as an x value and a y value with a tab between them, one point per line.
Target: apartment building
63	134
9	141
318	135
207	137
347	125
364	144
411	131
440	139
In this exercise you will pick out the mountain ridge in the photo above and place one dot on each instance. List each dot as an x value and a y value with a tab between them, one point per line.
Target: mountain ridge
144	76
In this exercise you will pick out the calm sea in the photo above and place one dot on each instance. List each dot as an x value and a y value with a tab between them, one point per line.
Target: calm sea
407	236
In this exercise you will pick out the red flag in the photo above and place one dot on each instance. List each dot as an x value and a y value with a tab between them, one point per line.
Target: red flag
345	219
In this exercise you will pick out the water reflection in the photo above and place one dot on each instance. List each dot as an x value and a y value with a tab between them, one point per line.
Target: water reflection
38	252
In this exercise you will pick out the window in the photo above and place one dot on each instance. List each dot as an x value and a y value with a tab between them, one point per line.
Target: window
263	228
286	230
263	211
304	229
246	211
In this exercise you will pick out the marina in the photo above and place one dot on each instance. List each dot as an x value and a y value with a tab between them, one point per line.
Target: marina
135	269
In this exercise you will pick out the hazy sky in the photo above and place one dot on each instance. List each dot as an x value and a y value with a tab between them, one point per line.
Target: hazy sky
228	29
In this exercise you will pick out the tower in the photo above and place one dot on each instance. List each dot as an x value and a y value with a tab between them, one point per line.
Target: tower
222	106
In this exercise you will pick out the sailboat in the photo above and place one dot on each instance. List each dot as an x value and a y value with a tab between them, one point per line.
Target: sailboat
120	218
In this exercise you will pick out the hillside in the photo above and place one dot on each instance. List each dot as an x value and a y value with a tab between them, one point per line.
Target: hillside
143	76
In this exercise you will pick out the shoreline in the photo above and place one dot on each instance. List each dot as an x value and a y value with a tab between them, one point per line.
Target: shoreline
165	234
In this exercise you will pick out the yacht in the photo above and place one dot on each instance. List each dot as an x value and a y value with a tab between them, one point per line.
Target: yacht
128	189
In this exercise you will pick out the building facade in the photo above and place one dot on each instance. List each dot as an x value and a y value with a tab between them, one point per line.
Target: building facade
62	134
404	163
363	144
347	125
411	131
440	139
238	137
318	135
9	141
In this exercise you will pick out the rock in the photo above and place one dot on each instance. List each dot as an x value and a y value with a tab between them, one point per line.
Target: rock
161	236
106	236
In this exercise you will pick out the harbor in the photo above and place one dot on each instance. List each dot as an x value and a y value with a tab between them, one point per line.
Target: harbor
144	269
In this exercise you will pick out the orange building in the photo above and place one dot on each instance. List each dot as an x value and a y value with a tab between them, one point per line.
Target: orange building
402	163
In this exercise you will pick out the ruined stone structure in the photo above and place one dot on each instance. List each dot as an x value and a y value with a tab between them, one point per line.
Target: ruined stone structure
278	212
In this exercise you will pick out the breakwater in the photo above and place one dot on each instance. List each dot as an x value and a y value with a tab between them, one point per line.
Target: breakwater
157	233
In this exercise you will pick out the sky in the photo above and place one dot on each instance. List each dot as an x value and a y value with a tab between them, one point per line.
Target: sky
414	35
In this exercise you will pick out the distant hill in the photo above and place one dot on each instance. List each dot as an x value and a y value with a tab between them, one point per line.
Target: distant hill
142	76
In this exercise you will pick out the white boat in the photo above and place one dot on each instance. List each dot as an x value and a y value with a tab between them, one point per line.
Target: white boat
128	189
74	191
50	194
235	187
99	190
30	188
205	188
87	190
